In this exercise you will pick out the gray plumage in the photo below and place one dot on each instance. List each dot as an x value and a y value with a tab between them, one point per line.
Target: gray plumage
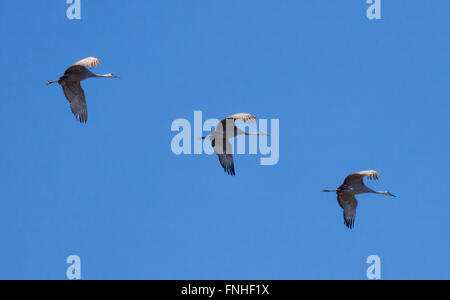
354	185
225	130
72	89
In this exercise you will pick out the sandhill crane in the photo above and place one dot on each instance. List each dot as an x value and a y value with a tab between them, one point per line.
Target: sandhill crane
225	130
70	83
354	185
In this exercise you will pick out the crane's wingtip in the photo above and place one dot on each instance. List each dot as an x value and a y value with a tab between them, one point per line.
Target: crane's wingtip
350	224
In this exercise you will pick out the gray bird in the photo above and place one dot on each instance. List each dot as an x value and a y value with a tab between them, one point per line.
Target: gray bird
70	83
354	185
225	130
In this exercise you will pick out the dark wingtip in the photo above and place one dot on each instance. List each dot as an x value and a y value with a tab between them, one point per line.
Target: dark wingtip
230	171
350	223
82	118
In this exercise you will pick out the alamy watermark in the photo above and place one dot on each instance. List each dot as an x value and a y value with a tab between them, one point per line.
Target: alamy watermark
74	10
191	140
374	270
74	270
374	10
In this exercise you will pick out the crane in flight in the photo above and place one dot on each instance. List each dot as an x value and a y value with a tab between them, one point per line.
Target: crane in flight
225	130
70	83
354	185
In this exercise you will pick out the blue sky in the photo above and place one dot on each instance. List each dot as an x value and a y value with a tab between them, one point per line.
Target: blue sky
351	94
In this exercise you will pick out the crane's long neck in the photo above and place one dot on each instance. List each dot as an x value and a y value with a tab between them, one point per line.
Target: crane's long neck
329	191
367	190
383	193
254	133
105	75
238	131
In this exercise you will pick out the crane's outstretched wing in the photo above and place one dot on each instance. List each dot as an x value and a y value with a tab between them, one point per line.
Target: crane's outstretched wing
349	203
226	160
224	151
228	124
75	94
88	62
244	117
357	178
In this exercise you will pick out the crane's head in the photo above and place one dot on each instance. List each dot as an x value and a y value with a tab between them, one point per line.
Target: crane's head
109	75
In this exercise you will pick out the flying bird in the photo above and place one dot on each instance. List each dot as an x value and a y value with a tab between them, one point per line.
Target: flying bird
70	83
354	185
225	130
